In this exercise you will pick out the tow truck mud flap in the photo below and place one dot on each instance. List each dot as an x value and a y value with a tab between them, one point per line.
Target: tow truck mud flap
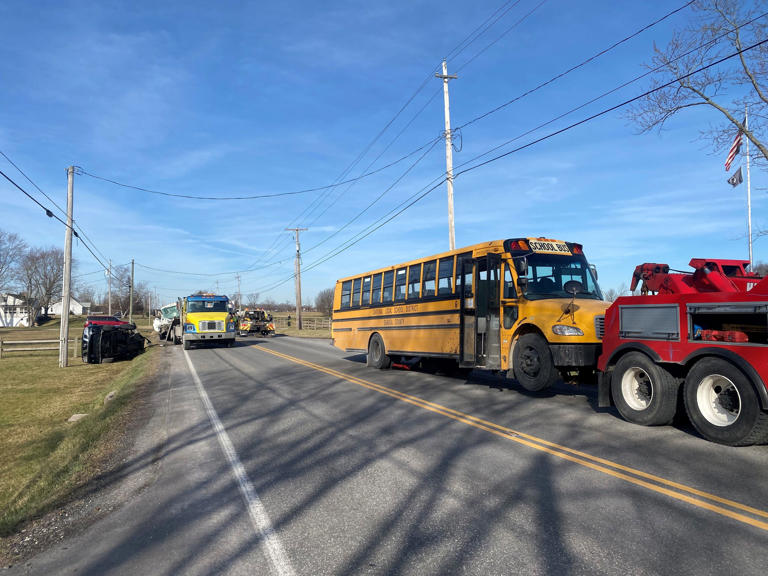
603	390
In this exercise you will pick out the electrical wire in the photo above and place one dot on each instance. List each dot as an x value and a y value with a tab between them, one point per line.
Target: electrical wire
576	67
426	191
611	109
458	129
50	214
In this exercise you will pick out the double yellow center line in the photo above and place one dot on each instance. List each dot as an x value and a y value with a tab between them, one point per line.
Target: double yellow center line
698	498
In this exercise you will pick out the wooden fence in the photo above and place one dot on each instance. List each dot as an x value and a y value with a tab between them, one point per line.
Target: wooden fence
23	346
311	323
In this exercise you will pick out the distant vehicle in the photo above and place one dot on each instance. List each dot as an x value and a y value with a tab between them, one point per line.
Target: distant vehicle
206	318
256	322
103	320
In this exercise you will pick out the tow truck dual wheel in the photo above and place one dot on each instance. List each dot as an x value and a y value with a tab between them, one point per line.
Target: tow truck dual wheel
722	404
377	356
644	392
532	363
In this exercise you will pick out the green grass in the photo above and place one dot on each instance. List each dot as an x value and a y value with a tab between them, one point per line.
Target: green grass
45	459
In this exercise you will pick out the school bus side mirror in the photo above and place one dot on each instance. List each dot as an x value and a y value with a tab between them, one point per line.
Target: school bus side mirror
594	270
521	265
522	283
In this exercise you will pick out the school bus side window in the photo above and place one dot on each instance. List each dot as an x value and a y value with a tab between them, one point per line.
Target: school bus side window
356	292
376	294
414	279
400	285
428	288
366	290
466	261
445	277
509	283
389	277
346	293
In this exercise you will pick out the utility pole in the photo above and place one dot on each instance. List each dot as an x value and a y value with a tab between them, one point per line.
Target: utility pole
239	296
109	278
448	154
749	193
65	291
130	297
298	276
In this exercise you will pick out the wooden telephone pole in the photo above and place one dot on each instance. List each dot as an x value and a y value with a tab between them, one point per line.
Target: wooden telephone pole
298	275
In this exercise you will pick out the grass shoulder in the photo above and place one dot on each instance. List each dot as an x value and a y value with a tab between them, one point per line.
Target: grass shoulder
46	459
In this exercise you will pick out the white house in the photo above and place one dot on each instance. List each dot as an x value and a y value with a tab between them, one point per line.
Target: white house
75	307
13	311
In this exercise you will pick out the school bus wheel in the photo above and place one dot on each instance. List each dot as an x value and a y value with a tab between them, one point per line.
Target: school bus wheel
532	363
377	357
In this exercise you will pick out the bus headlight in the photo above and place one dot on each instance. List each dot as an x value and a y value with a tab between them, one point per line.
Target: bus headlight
565	330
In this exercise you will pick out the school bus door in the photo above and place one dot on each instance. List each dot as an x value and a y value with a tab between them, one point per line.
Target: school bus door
480	303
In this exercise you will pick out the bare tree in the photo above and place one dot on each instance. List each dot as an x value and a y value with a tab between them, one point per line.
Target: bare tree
12	250
252	300
50	274
719	28
324	301
612	293
40	274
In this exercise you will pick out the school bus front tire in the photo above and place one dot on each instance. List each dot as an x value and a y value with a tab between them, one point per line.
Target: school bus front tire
532	363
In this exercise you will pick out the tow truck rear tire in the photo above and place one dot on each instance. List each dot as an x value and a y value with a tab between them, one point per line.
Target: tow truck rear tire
532	363
187	344
377	356
644	392
723	405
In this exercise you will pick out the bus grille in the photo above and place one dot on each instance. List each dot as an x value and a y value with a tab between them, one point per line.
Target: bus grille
600	326
211	326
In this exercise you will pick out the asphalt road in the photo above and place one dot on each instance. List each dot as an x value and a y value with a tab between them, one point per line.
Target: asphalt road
287	456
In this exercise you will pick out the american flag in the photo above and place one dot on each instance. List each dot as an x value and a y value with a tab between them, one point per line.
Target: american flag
735	147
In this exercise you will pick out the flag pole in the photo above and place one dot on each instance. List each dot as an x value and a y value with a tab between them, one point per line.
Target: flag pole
749	191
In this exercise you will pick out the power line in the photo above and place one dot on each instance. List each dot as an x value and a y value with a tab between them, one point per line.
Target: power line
507	31
611	109
64	212
52	215
427	190
577	66
256	196
464	44
519	97
482	29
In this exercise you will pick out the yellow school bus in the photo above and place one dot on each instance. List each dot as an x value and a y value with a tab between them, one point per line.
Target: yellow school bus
529	306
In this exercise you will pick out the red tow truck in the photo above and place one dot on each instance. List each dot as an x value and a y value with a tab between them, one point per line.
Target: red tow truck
702	336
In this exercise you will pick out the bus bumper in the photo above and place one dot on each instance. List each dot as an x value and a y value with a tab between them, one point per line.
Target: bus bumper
207	336
575	355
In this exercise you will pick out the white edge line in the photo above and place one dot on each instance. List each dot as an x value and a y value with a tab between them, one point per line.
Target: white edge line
256	510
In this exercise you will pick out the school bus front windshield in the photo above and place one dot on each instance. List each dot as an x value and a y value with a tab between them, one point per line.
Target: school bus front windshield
560	276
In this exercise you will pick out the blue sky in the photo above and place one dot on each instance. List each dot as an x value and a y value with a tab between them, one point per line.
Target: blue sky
238	98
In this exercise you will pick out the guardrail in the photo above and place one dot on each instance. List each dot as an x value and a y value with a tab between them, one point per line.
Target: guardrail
12	346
